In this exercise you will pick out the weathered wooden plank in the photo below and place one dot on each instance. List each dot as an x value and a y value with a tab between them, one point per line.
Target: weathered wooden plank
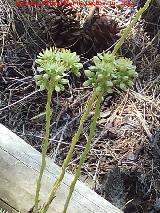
6	207
19	165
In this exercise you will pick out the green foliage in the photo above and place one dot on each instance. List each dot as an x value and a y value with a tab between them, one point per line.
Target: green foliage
71	61
55	65
125	73
109	71
120	74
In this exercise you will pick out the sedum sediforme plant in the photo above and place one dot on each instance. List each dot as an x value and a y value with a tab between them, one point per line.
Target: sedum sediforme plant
102	78
55	65
107	72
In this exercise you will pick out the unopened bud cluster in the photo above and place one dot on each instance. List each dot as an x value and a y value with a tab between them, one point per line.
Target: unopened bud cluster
109	71
54	67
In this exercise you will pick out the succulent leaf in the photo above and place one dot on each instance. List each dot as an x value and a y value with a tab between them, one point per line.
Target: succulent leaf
54	65
109	71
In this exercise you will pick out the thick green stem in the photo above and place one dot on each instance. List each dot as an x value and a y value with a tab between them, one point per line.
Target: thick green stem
128	29
44	148
69	154
85	152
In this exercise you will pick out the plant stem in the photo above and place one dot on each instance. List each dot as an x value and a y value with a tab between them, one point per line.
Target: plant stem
128	29
44	148
69	154
85	152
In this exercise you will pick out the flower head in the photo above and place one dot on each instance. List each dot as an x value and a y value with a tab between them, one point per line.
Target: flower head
54	66
109	71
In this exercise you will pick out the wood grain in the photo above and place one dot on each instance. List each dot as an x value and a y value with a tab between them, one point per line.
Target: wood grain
19	166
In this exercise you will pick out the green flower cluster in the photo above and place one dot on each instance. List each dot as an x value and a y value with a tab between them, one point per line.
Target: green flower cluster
126	73
108	72
54	67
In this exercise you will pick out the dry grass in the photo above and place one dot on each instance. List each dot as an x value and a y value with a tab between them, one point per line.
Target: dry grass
125	131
